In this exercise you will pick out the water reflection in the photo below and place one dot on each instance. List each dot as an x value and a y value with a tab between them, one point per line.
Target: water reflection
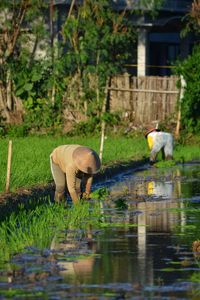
75	256
132	260
156	202
152	196
156	259
153	182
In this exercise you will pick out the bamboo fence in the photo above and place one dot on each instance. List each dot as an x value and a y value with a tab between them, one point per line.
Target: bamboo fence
144	99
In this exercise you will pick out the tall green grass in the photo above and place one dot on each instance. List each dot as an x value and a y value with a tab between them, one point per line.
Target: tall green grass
30	157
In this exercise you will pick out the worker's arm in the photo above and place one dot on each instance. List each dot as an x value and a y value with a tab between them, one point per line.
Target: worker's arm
157	145
87	182
71	184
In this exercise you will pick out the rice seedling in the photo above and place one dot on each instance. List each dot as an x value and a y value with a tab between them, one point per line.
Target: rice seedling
36	228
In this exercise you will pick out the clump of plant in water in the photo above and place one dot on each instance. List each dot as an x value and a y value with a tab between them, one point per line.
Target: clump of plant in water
121	204
38	227
165	164
100	194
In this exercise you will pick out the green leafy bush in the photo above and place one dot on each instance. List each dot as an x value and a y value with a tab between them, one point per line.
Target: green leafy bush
190	106
17	130
91	126
40	113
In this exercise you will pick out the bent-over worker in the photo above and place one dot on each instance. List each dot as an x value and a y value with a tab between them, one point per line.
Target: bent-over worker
159	141
73	166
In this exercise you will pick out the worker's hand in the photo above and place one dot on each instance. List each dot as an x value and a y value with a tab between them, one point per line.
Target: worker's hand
85	196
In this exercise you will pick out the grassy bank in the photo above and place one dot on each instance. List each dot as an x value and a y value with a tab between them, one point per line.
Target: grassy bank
30	155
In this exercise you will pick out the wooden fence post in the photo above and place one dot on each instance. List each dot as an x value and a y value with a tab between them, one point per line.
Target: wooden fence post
103	123
9	166
178	124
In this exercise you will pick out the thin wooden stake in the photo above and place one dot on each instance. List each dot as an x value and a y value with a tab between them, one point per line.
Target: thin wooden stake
103	123
178	124
9	166
103	126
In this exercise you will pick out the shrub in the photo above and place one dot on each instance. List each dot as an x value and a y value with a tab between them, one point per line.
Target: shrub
17	130
190	106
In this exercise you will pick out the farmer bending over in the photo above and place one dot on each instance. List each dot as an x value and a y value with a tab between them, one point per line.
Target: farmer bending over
159	141
73	166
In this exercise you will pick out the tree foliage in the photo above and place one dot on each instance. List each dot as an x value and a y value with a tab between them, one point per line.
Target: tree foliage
190	70
98	42
190	106
192	19
23	37
42	75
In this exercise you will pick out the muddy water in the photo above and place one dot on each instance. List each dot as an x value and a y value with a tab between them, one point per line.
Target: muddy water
149	251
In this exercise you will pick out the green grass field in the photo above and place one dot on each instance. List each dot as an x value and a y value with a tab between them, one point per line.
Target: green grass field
30	155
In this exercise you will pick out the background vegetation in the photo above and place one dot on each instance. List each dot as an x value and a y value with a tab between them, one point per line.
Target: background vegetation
45	71
48	72
190	106
190	70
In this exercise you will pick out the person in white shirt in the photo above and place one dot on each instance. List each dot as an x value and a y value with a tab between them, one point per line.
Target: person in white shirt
159	141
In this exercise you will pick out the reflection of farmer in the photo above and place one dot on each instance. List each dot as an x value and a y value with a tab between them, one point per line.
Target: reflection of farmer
196	248
82	266
75	166
160	189
159	140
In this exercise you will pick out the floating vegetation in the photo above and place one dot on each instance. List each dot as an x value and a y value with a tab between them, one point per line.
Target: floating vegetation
100	194
121	204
